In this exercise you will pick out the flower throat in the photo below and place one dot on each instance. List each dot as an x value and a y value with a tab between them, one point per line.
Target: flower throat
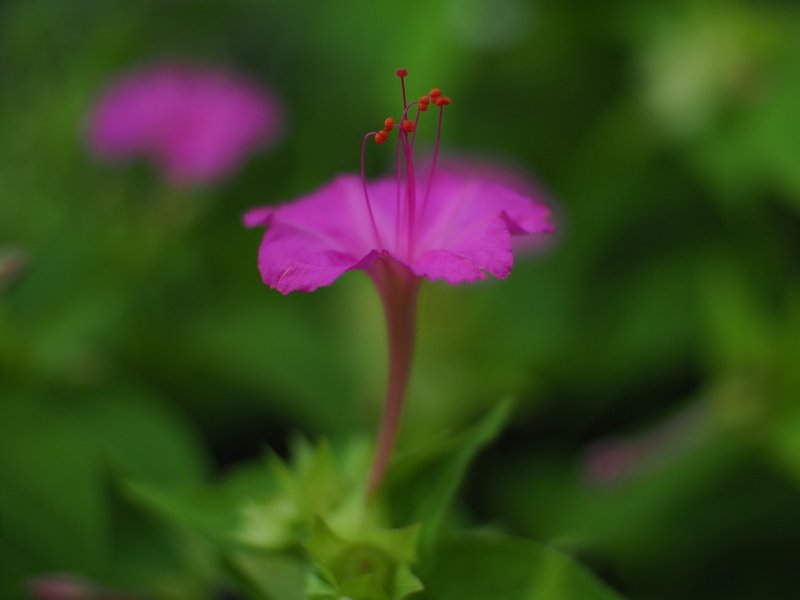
407	214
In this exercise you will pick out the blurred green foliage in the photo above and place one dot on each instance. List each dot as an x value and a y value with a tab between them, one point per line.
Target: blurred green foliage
136	340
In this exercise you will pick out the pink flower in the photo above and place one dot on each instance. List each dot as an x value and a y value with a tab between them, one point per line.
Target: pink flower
198	124
433	224
456	227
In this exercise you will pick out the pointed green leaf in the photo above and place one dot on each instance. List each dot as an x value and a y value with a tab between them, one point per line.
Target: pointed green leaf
481	566
270	575
212	516
422	484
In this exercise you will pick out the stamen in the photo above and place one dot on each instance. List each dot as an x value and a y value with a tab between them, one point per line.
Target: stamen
422	106
416	124
410	214
405	212
364	184
401	73
398	207
411	191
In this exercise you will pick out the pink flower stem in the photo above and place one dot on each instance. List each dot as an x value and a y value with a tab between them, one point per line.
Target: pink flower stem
398	289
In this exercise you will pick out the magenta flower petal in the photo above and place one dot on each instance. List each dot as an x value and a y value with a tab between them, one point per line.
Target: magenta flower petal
293	259
311	242
486	248
511	176
468	227
465	232
258	217
198	124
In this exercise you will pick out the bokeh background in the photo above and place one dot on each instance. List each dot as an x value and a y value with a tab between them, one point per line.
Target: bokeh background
653	347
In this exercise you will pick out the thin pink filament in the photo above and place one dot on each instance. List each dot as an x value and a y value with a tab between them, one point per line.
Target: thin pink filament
433	163
416	125
411	190
366	193
410	213
403	87
398	205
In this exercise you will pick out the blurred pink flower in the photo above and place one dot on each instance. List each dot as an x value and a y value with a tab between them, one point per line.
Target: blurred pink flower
400	230
61	587
14	260
198	124
612	460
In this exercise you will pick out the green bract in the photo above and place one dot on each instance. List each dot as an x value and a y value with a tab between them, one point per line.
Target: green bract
374	565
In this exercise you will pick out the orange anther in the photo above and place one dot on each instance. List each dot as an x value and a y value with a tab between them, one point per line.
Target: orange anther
442	101
408	126
388	124
401	72
422	106
435	93
424	100
381	136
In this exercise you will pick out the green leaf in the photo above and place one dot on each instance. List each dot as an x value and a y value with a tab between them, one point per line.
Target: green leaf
270	575
56	513
52	511
422	484
212	515
479	566
215	515
142	438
